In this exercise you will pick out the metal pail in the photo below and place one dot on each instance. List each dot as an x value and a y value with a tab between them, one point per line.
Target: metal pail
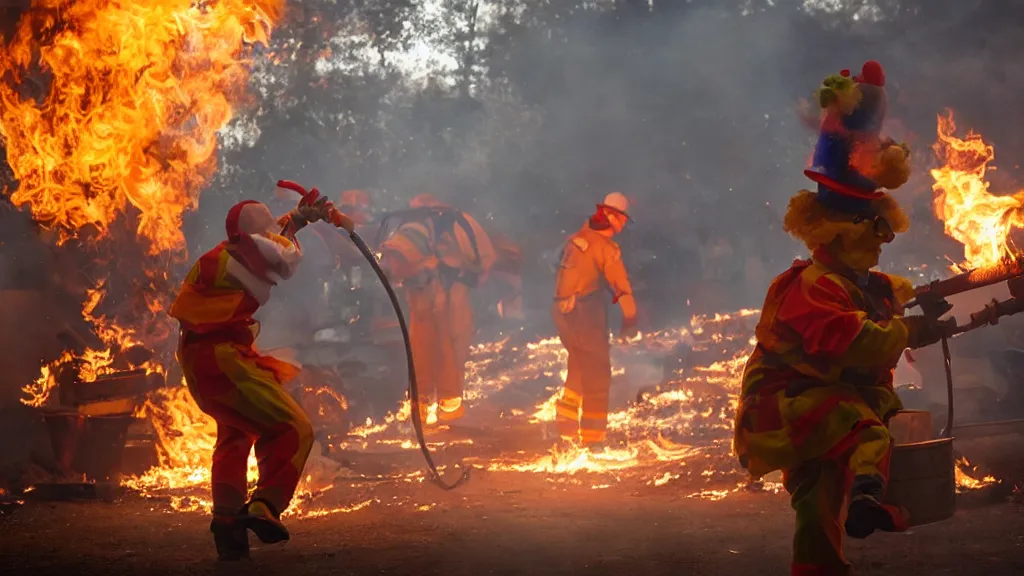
922	479
88	445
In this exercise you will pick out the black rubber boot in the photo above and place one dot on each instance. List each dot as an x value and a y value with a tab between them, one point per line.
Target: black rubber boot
230	537
868	512
264	520
865	516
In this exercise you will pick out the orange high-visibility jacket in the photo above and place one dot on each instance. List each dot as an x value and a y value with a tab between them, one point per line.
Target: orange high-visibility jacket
589	260
458	252
409	252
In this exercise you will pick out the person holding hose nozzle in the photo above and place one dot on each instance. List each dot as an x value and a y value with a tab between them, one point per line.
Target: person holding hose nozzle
589	259
238	387
817	390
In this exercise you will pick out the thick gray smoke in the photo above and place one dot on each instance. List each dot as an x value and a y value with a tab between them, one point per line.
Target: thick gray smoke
698	111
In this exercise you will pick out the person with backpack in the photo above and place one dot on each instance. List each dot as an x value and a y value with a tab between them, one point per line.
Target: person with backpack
465	257
409	257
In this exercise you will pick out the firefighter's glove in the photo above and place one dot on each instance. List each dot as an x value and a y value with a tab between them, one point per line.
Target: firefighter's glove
628	331
925	331
312	210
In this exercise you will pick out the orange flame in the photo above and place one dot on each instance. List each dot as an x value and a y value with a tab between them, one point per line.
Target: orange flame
114	147
137	93
972	215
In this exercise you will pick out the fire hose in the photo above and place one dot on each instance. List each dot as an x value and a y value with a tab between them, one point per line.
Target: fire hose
345	223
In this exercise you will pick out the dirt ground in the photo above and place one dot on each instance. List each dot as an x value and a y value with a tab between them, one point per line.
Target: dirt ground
501	524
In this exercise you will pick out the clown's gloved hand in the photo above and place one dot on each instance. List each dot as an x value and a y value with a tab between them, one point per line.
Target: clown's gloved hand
312	210
925	331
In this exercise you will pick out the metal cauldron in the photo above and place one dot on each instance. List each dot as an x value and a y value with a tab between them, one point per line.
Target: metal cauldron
88	445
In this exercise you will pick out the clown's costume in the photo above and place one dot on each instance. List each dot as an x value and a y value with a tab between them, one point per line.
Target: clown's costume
234	384
817	390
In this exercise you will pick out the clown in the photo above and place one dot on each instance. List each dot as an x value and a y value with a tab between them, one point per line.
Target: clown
234	384
817	390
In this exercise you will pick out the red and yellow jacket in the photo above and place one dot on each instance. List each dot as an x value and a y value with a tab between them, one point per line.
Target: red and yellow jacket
217	302
211	298
821	328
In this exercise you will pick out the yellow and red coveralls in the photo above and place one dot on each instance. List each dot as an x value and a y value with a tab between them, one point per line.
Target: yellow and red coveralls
590	261
460	270
817	395
409	257
240	388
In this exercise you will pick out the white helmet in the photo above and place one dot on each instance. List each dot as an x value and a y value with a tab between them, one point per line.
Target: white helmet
617	201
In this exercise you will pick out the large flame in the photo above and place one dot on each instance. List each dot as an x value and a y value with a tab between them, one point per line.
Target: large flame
137	92
109	113
972	215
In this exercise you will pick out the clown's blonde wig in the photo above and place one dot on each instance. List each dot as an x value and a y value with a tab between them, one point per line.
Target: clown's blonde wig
815	225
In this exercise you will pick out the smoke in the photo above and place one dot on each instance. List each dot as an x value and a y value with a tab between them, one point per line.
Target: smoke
691	109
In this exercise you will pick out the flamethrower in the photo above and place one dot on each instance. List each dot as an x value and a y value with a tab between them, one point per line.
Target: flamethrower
346	223
931	298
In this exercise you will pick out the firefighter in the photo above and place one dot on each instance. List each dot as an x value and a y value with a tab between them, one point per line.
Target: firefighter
408	257
590	259
237	386
817	390
465	257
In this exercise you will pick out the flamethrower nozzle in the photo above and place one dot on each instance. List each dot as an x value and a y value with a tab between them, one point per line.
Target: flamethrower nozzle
1008	269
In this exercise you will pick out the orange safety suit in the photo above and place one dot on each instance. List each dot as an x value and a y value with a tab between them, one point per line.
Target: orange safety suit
817	395
409	257
590	261
240	388
462	268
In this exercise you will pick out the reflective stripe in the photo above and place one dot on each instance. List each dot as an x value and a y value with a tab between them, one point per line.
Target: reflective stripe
571	396
567	410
